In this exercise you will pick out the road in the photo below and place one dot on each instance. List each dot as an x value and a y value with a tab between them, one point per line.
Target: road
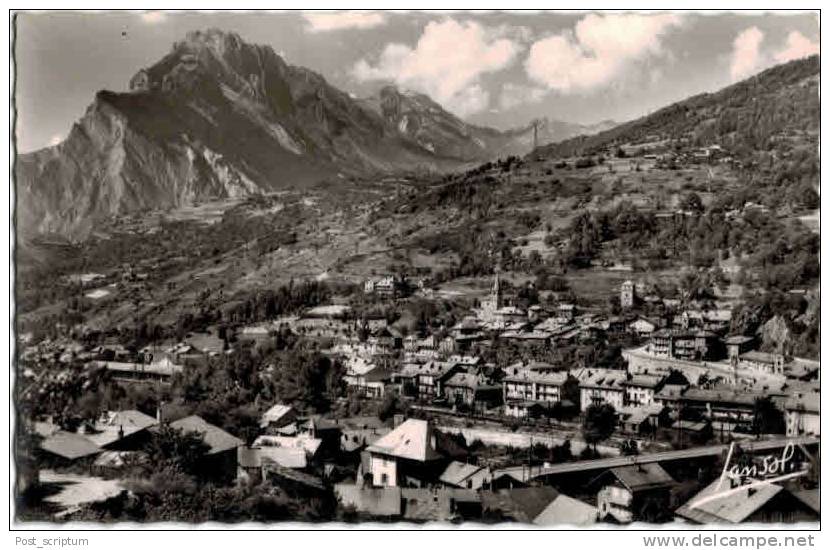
78	489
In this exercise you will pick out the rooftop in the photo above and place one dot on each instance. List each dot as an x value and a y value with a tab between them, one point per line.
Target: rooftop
216	438
411	440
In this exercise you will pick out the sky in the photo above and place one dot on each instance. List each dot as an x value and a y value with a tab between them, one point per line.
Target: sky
499	69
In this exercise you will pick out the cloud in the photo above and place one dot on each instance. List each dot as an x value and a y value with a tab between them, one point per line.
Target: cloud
597	51
746	53
446	63
797	46
55	140
334	21
513	95
153	17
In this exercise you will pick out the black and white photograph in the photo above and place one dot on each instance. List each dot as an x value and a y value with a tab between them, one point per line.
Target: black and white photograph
494	269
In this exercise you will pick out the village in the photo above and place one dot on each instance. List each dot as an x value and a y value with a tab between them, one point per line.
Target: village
458	437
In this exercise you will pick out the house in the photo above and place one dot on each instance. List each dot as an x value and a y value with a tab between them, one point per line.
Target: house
385	339
120	430
544	387
409	455
161	371
309	445
717	320
466	476
371	384
566	310
725	407
278	416
729	503
640	492
220	460
683	344
688	431
641	388
472	391
426	381
737	345
641	420
387	285
643	327
670	395
256	334
802	415
64	448
325	429
768	363
358	432
600	386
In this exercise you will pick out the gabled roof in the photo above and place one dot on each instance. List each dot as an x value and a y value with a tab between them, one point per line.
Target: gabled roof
810	497
643	381
216	438
411	440
117	424
69	445
463	379
274	414
565	510
522	505
642	476
604	378
730	508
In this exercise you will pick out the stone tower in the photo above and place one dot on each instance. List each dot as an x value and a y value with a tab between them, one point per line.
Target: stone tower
627	295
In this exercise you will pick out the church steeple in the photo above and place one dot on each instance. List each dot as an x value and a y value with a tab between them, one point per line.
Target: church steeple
496	293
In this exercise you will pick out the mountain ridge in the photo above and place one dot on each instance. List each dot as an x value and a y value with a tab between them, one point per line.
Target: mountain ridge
217	117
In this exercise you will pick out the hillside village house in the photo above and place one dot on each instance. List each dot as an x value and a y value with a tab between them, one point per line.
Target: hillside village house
426	381
726	408
643	327
220	461
768	363
387	285
408	456
640	389
542	387
681	344
641	491
277	417
802	415
471	389
600	386
466	476
767	503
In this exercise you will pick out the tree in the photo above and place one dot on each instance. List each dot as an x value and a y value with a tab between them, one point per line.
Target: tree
598	424
176	449
692	203
767	418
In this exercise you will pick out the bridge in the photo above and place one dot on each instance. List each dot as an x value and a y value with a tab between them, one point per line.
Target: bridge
526	473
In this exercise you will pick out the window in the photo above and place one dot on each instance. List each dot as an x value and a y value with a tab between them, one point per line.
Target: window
384	479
